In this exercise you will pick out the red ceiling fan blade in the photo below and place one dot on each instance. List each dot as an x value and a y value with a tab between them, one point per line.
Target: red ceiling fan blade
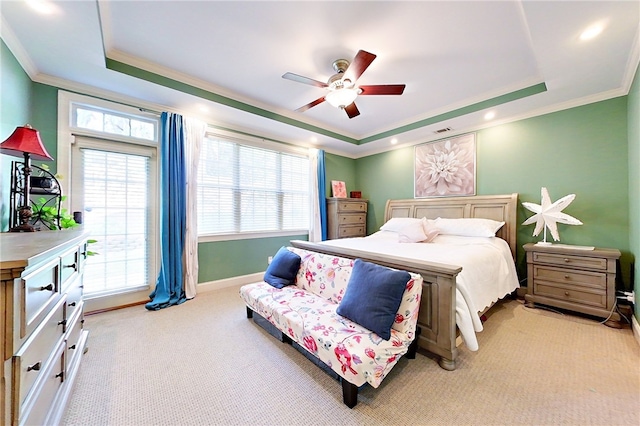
304	80
310	105
360	63
383	89
352	110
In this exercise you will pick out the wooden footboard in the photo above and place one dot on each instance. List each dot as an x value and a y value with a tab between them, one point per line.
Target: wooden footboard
437	317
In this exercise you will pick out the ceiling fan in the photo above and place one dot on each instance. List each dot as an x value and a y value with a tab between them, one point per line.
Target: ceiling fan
342	85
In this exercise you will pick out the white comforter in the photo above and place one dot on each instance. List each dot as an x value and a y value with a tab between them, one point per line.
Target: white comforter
488	271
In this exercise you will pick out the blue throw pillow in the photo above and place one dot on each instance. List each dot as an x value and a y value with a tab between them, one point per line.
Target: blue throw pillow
373	296
283	268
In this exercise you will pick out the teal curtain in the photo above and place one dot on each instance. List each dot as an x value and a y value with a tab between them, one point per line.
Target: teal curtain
170	284
322	193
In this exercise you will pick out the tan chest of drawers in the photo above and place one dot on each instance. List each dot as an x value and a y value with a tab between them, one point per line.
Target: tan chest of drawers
42	330
574	279
346	218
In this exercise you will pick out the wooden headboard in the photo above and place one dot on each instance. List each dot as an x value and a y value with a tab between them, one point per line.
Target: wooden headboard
497	207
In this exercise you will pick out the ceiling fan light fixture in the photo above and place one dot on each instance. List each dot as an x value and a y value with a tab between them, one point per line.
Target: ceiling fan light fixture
341	98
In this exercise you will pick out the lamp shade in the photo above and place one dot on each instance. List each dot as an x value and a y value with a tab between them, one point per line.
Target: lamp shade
25	140
341	98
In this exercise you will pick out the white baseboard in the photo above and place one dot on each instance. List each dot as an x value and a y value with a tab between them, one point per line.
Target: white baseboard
635	326
230	282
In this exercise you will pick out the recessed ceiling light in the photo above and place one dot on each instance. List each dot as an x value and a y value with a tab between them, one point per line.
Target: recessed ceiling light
490	115
314	139
203	108
44	7
591	32
394	141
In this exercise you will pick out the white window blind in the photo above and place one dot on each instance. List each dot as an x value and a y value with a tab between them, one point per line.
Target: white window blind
245	189
116	212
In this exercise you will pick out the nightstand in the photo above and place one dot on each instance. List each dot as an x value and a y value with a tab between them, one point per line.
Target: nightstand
574	279
346	218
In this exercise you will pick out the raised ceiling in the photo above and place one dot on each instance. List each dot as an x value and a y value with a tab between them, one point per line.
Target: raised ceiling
459	60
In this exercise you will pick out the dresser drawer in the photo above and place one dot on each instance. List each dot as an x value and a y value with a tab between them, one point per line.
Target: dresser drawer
347	206
595	263
572	277
75	325
581	295
351	231
74	298
32	358
69	267
37	408
38	291
352	219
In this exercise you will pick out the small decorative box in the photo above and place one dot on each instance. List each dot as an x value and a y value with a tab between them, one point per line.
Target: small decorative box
355	194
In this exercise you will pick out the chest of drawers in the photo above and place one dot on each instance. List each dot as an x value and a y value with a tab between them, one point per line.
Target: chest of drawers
573	279
42	330
346	218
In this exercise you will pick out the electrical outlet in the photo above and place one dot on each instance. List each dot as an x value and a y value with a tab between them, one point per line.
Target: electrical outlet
269	259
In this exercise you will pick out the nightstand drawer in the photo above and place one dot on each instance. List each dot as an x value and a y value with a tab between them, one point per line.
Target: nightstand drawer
571	261
571	277
351	231
584	296
351	219
346	206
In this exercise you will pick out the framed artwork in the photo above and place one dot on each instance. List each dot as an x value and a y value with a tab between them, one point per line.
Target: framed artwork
339	189
446	168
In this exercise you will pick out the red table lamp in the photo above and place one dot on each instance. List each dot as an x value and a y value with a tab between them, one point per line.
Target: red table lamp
25	142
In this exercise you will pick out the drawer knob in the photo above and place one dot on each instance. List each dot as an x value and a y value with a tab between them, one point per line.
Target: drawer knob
34	367
72	347
73	265
566	260
63	322
60	374
47	287
566	277
566	293
72	304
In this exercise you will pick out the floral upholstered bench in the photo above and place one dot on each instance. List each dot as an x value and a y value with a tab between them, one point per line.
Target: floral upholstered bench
356	317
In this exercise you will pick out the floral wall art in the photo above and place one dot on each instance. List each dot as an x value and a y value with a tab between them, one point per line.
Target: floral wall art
446	168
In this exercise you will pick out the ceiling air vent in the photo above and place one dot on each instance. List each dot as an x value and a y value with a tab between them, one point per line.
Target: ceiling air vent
446	129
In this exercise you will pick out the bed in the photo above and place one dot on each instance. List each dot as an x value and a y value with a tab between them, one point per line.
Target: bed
450	302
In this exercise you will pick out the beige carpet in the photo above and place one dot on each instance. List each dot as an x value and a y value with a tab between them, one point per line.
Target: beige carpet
205	363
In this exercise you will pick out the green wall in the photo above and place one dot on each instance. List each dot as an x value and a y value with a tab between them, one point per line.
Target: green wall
633	114
225	259
15	110
23	102
581	150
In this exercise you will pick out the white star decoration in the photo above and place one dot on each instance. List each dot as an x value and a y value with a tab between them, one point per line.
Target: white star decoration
548	214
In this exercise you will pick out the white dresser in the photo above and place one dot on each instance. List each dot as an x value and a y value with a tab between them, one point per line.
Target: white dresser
42	330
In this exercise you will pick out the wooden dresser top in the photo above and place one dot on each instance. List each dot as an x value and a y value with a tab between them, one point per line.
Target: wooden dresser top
22	249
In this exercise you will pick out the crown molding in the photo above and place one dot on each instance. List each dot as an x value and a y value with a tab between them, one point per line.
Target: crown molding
16	48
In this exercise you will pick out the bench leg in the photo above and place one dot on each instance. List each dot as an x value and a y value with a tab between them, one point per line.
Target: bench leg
413	347
349	393
249	312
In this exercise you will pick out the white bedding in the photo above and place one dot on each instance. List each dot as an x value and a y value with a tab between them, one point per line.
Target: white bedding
488	271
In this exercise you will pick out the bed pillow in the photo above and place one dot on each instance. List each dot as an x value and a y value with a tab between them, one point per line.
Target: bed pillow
395	224
373	296
468	227
283	268
409	230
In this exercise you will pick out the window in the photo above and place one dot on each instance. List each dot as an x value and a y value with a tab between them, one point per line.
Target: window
112	122
248	189
116	212
107	161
